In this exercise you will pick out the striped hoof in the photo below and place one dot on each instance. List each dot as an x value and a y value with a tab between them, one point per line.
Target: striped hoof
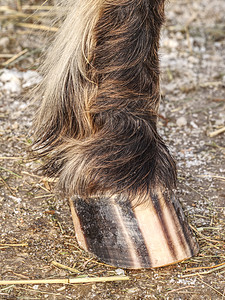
150	235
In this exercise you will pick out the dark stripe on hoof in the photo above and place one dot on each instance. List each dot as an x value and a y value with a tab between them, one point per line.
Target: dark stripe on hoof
158	208
188	234
112	233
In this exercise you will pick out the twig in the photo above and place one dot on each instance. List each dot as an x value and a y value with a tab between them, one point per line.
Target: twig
217	132
9	61
58	265
66	280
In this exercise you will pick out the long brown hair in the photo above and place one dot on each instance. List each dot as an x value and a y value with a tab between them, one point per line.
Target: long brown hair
96	126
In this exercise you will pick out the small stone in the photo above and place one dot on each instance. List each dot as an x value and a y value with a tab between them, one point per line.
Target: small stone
193	124
132	290
182	121
35	287
120	272
4	42
219	122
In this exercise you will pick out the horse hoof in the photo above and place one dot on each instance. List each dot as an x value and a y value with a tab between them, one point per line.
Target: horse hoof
152	234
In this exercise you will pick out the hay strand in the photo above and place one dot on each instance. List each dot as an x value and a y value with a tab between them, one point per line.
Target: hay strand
58	265
9	61
217	132
38	27
66	280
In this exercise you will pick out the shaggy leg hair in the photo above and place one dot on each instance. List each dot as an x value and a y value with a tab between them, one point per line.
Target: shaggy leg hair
96	126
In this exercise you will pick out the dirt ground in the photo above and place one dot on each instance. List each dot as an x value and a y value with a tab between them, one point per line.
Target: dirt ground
36	227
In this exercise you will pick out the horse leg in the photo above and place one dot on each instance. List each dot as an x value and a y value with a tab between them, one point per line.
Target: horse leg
97	130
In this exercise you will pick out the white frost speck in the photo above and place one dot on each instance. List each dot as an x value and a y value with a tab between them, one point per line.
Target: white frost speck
12	81
30	78
17	199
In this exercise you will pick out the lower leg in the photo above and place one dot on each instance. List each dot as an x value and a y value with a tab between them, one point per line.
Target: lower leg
97	127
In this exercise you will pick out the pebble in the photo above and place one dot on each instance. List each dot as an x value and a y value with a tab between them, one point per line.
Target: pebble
35	287
4	42
182	121
120	272
132	290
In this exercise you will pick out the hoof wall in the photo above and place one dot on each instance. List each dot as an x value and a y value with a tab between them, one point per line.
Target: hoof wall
152	234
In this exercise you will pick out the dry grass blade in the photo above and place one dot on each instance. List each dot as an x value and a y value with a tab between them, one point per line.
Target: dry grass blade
5	55
211	176
58	265
8	187
10	157
40	177
37	27
66	280
3	246
205	237
213	270
15	245
9	61
37	7
179	289
200	268
11	172
12	14
217	132
204	273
